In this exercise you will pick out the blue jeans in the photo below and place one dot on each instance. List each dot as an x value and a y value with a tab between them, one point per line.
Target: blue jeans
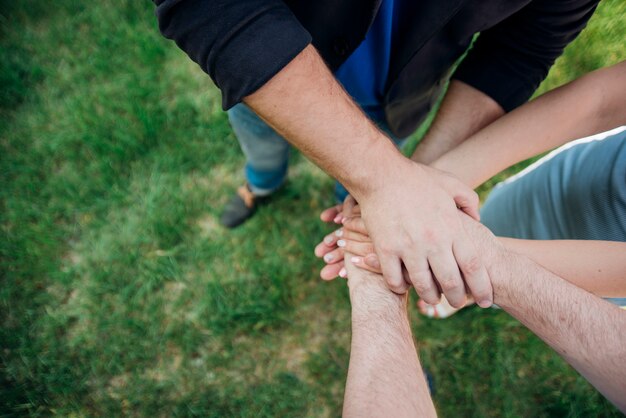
267	153
575	192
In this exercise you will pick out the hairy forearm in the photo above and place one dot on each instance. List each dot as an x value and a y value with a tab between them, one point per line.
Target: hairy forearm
582	328
596	266
591	104
384	377
463	112
311	110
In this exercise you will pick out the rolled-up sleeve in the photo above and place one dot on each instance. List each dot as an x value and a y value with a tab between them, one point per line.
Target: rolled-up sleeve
240	44
509	60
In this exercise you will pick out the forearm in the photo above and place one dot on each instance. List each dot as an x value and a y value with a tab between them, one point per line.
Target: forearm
385	377
585	330
311	110
596	266
463	112
589	105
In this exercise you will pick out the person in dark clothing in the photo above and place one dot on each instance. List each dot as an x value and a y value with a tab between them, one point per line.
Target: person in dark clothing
331	77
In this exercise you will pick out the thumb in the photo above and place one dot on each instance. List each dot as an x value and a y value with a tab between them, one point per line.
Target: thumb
329	214
464	197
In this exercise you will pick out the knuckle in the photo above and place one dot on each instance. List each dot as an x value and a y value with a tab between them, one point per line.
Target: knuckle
457	303
396	287
422	287
431	298
429	234
449	283
472	265
481	294
388	249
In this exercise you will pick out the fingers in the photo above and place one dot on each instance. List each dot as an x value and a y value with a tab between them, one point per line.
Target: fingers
348	206
392	272
331	214
468	203
356	247
474	272
445	270
371	261
363	263
422	279
328	244
465	198
347	234
331	271
334	256
355	224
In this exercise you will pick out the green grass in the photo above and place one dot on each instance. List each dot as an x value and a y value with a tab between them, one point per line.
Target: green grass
121	294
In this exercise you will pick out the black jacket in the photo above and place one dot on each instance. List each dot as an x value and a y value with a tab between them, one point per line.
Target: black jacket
241	44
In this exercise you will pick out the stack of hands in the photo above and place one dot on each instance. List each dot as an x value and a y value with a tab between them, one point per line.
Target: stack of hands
441	275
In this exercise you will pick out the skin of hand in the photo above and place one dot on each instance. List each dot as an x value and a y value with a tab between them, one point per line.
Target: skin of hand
577	325
308	107
436	250
355	236
596	266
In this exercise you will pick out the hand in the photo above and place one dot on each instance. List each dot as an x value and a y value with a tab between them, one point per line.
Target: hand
414	222
328	249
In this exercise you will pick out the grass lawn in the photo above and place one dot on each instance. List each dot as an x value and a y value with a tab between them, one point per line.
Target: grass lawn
122	295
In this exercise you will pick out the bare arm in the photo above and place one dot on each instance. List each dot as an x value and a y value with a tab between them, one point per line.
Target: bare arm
596	266
385	377
594	103
584	329
309	107
463	112
306	104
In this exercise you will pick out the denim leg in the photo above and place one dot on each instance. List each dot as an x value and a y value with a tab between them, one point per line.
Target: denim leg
267	153
576	192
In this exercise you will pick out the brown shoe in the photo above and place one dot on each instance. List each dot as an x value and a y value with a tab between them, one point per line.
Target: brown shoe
241	207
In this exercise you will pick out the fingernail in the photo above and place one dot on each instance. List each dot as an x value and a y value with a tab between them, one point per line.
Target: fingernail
355	260
339	232
338	218
341	243
343	273
328	257
328	240
485	303
372	262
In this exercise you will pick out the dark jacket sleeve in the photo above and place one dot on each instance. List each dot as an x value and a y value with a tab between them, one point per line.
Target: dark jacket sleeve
240	44
511	59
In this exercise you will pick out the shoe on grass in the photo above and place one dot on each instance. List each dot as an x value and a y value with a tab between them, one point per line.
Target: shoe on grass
241	207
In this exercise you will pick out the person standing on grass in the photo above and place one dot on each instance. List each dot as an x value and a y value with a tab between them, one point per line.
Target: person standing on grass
385	378
289	62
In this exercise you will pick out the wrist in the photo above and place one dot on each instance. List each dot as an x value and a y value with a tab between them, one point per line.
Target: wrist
380	165
503	281
371	298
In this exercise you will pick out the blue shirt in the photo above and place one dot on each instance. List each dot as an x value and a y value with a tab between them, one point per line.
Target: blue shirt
364	73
